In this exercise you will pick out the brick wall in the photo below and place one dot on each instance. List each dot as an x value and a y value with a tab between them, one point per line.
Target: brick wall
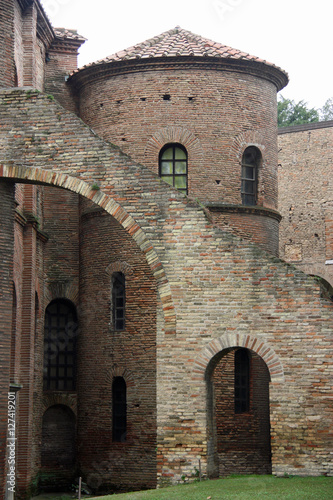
216	292
242	439
18	44
7	76
306	197
6	270
214	114
130	353
61	61
226	112
259	226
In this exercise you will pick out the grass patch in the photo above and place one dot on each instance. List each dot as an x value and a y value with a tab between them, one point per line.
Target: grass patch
241	487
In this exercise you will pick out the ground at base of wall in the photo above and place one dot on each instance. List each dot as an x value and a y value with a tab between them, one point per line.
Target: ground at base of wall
266	487
58	496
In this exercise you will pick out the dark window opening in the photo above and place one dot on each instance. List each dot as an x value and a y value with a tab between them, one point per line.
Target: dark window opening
166	97
118	301
250	163
119	410
60	332
13	335
15	77
173	166
242	381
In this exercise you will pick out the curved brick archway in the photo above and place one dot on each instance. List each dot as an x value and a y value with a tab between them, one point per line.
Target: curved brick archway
172	134
229	341
239	442
24	174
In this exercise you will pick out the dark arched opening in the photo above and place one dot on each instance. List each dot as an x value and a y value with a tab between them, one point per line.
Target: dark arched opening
238	414
58	451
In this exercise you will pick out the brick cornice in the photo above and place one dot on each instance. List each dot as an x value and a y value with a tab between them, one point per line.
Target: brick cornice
102	70
242	209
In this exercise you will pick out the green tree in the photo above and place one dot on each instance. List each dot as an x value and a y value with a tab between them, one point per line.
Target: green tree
291	113
326	112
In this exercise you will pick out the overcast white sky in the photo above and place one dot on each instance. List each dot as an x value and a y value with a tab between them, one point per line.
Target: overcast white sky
293	34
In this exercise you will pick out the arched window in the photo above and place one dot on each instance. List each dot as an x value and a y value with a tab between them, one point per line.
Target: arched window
250	163
60	330
242	381
173	166
118	301
119	410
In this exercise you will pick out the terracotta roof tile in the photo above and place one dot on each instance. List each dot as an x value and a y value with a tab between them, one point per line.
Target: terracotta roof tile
178	42
68	34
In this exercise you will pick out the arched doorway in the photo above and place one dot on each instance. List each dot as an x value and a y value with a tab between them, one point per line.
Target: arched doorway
238	413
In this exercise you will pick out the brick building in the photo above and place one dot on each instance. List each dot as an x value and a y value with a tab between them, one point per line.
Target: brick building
148	325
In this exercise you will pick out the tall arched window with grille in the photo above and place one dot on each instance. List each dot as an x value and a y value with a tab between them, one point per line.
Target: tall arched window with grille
60	331
250	164
173	166
118	301
242	381
119	410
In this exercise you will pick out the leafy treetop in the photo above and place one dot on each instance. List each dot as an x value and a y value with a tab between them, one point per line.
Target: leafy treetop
292	113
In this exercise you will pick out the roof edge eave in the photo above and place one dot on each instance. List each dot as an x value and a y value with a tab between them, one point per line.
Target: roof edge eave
100	69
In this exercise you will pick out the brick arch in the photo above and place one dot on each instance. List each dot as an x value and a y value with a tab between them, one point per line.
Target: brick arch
173	134
119	266
57	398
60	290
229	341
22	174
318	270
120	371
246	139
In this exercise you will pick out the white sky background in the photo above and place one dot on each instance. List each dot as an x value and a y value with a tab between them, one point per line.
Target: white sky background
296	35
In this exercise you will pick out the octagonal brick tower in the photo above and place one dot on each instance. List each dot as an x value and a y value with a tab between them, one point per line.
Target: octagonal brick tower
201	115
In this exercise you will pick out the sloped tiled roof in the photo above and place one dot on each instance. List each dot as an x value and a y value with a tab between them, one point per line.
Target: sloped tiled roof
178	43
68	34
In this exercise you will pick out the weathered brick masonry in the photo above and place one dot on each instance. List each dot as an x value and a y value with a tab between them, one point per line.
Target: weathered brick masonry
306	198
212	111
203	281
267	305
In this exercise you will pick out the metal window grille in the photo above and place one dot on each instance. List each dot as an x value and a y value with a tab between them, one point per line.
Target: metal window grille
250	164
60	330
118	301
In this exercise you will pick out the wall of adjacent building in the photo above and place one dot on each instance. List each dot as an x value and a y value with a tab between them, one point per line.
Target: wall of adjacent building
306	197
